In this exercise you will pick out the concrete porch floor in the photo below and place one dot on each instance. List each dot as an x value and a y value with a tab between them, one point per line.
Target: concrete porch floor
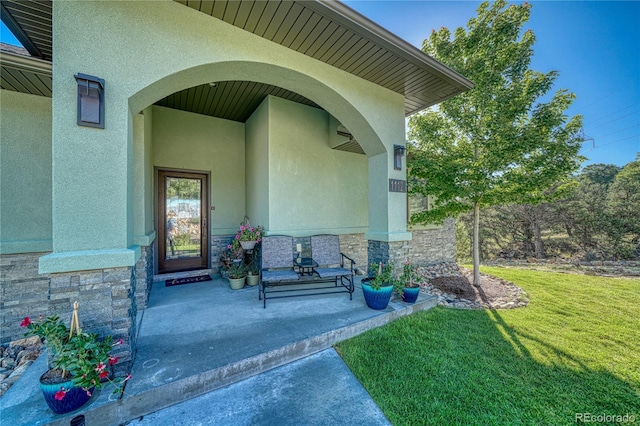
201	337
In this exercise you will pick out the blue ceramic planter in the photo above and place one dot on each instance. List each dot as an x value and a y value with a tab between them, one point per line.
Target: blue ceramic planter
74	398
410	294
376	299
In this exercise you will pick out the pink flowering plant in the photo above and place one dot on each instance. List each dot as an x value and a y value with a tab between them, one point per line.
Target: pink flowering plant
83	357
250	233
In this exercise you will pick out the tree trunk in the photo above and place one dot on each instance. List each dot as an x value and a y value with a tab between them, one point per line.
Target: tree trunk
476	243
537	240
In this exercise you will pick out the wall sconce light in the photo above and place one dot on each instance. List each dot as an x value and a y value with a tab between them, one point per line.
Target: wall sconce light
398	153
90	100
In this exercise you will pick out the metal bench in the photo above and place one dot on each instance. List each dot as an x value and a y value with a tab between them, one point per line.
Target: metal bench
279	278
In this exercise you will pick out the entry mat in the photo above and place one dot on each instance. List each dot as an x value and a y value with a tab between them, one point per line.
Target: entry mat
187	280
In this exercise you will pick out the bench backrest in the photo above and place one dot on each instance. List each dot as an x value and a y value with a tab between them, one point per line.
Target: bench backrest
325	249
277	252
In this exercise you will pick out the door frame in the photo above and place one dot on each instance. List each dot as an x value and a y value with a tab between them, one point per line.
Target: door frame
160	212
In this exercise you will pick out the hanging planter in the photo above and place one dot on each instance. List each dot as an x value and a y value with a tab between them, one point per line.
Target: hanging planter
248	245
61	395
81	362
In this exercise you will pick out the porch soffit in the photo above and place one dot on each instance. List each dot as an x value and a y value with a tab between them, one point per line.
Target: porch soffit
325	30
339	36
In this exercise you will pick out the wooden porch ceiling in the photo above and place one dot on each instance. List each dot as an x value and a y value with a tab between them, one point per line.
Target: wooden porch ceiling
231	100
325	30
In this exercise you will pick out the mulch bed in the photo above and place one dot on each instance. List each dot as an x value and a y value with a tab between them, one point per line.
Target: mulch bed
493	292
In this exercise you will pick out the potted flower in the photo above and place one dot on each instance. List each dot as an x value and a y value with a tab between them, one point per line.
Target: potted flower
407	285
248	236
236	273
378	287
253	268
253	275
79	362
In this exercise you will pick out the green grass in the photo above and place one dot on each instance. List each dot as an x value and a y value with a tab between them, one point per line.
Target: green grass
574	349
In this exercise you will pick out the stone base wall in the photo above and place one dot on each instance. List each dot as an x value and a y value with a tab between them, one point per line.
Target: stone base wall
24	293
396	252
218	243
428	246
355	246
434	245
106	298
144	276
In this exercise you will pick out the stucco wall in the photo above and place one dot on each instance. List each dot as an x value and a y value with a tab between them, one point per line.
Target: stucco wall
257	166
182	140
313	189
171	47
25	173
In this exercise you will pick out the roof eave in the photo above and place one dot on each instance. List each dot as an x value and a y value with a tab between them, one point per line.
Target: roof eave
26	63
354	20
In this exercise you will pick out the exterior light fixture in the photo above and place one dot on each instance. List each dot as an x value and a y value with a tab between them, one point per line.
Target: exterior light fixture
90	101
398	153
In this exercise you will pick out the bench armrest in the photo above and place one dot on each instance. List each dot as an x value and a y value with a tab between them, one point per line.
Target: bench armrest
351	261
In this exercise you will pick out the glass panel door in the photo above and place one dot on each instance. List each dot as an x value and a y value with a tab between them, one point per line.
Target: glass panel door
182	212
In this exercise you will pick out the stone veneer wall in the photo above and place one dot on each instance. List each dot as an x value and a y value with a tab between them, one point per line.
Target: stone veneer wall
217	245
144	276
355	246
428	246
396	252
434	245
106	298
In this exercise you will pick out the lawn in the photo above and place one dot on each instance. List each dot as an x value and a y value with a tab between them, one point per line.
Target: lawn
574	349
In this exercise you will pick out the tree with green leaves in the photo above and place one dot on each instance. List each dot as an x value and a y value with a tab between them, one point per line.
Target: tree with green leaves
623	204
498	143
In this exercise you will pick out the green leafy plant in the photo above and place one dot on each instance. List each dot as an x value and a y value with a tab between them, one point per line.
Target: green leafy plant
237	270
409	278
249	233
82	357
380	275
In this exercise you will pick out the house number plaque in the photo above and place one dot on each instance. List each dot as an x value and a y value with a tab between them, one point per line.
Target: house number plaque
397	185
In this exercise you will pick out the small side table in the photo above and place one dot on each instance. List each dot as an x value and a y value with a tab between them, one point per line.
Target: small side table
305	265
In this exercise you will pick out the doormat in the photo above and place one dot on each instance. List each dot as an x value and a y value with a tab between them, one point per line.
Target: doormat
187	280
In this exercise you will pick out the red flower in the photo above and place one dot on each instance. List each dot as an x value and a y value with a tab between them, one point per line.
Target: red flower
104	374
25	322
60	394
113	360
100	366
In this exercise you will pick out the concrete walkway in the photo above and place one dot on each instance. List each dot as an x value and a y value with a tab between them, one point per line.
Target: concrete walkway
198	338
316	390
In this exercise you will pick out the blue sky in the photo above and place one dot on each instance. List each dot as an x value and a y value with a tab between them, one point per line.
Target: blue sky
595	45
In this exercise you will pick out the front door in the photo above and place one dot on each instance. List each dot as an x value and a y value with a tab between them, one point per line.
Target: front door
182	221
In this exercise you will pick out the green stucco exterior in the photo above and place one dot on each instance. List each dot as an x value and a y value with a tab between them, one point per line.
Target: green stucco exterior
182	140
99	175
257	165
25	173
313	189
